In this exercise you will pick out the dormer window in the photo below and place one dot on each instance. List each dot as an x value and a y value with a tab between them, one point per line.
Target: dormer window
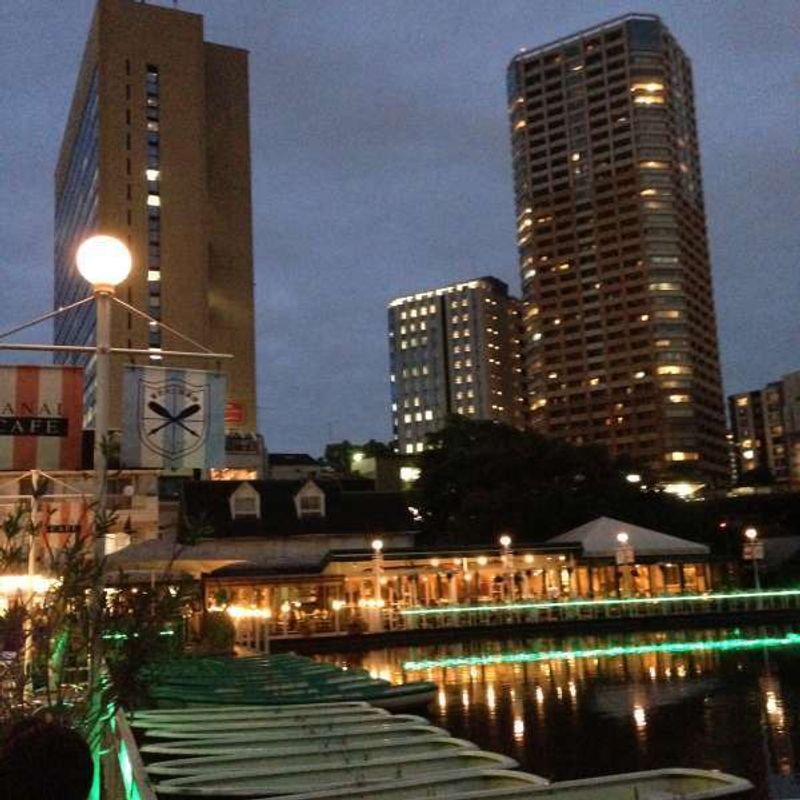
245	502
310	501
310	505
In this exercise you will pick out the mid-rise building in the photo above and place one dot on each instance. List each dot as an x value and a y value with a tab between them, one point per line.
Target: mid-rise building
619	340
765	425
454	350
156	151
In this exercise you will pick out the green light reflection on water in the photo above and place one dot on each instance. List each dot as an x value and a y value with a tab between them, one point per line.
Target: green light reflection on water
733	643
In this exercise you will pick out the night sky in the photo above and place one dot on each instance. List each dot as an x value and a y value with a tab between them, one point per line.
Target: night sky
381	166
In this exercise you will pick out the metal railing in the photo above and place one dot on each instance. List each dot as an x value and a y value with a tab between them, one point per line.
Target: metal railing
124	773
256	633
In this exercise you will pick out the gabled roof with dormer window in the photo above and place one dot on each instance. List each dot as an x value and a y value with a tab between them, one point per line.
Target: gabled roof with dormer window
205	505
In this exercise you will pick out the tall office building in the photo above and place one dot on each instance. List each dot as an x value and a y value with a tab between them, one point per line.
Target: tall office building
620	342
454	350
765	424
156	151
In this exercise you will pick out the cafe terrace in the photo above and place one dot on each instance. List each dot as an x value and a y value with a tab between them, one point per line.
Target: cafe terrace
318	556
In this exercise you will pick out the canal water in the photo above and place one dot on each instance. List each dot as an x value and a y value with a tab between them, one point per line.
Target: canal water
726	699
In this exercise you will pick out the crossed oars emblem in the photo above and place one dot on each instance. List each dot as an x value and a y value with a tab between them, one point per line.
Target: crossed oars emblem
173	419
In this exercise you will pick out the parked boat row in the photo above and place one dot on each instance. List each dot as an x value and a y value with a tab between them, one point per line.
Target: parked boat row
276	680
327	751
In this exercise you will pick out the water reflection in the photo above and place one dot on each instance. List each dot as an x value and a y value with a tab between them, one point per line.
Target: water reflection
617	704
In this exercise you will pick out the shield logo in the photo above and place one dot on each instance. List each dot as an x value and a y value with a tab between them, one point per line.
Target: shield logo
173	417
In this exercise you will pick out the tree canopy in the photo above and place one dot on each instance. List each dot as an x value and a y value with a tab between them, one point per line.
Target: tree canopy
482	478
339	455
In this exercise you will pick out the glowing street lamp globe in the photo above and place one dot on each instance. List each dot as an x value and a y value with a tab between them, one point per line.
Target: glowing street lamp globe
751	534
505	541
377	545
622	538
103	261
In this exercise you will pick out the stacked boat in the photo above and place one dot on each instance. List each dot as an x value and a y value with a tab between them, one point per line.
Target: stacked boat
276	680
250	751
354	751
291	727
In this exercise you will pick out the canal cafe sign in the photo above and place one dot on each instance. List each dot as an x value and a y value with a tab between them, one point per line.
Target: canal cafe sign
40	417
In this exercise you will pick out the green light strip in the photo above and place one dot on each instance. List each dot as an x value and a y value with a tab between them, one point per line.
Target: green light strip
418	611
120	636
599	652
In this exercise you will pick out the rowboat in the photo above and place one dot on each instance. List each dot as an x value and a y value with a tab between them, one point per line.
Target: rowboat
660	784
450	785
408	695
366	737
274	680
293	780
264	719
242	712
275	758
344	727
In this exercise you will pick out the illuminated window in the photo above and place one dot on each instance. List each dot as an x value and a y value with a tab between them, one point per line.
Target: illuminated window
429	415
420	446
152	174
678	398
409	474
153	200
153	275
664	287
681	455
674	369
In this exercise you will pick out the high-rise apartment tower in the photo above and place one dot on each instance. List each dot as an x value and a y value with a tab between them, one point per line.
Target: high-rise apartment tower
620	341
765	424
454	350
156	151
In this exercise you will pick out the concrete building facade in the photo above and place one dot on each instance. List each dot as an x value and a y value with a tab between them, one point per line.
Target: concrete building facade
454	350
620	342
156	151
765	424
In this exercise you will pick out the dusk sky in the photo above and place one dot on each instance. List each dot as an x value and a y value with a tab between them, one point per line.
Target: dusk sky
381	166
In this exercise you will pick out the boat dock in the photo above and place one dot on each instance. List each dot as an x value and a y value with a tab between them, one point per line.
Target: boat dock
210	744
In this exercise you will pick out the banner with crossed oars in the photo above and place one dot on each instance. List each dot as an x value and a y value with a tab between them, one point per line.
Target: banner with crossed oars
173	418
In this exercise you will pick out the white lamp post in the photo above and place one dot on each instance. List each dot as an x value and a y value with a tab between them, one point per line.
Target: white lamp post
377	563
754	551
505	543
624	557
104	262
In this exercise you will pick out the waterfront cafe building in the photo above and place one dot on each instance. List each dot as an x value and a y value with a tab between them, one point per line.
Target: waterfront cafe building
323	553
579	564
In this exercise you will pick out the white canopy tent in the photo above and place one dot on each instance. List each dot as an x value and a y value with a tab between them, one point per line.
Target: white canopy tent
599	540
